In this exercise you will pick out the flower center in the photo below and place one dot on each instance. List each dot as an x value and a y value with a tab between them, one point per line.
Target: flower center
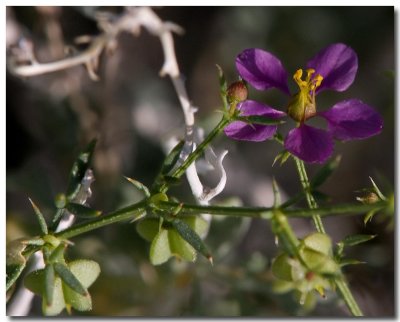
302	105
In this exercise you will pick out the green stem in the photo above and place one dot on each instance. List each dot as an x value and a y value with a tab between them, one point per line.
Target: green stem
130	212
347	296
267	212
339	281
281	228
310	198
196	153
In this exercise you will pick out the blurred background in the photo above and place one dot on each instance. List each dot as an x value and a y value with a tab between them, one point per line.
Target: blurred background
133	112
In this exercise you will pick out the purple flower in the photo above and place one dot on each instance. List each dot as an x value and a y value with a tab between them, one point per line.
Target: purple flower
334	68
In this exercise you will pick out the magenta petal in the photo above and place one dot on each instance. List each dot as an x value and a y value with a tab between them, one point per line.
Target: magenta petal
309	144
262	70
338	65
352	119
239	130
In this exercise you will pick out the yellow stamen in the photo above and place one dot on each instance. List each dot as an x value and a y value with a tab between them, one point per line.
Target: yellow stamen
302	106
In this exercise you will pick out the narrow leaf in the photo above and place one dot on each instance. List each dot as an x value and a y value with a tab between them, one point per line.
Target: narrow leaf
171	180
172	158
277	194
378	192
346	262
357	239
198	224
42	221
78	170
15	261
283	156
223	86
58	253
320	196
369	216
82	211
69	278
325	172
13	271
192	238
140	186
58	303
49	283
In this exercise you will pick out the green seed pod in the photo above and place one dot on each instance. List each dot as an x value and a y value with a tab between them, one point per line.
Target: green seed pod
319	242
318	262
281	268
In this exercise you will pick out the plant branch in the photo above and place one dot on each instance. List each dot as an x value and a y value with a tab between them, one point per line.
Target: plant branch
132	212
309	197
266	212
339	281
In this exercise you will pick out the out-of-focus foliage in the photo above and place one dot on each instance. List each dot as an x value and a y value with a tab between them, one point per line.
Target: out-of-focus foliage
132	111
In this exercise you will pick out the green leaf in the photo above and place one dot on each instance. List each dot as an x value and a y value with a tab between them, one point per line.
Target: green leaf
357	239
69	278
15	261
172	158
345	262
57	255
82	211
320	196
179	247
140	186
369	216
198	224
223	86
86	271
49	282
76	300
78	170
277	194
35	281
283	156
192	238
12	274
171	180
160	251
377	191
58	303
42	221
325	172
148	228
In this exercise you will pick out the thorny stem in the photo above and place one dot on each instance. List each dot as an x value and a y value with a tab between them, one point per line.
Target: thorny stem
307	190
266	212
339	281
347	296
131	212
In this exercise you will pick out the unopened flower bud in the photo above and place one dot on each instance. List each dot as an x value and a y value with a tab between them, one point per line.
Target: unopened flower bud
237	92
